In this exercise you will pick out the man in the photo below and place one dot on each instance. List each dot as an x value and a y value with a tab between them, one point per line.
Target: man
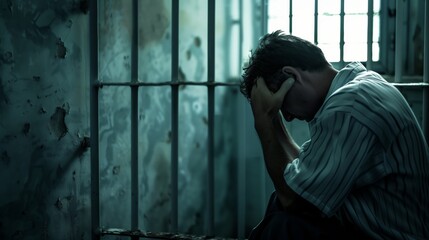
363	174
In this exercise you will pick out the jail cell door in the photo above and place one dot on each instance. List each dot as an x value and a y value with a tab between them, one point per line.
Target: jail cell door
166	108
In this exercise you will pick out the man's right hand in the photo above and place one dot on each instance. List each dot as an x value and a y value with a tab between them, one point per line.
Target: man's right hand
266	103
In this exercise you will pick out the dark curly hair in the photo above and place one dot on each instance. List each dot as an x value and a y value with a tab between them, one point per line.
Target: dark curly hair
276	50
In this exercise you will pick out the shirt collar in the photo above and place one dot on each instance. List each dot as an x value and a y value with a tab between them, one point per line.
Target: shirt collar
344	76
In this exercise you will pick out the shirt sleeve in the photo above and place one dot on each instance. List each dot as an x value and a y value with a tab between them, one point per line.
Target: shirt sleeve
329	164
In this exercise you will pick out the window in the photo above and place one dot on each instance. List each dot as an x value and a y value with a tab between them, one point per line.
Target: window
338	27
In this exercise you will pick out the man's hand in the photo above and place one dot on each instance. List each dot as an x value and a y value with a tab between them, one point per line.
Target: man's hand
266	103
279	149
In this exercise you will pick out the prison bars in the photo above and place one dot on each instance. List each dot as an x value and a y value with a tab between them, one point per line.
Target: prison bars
399	60
211	84
211	98
241	173
316	21
174	115
369	35
342	14
94	131
399	34
134	84
426	73
290	16
134	121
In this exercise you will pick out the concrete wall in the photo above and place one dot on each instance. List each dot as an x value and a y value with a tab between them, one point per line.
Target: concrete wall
44	169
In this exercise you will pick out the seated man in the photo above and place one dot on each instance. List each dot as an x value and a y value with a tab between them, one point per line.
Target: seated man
363	174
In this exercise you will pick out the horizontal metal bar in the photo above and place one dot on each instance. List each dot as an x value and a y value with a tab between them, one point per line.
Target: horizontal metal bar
411	85
153	235
102	84
229	84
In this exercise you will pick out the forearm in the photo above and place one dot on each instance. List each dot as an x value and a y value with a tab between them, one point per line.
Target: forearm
286	141
279	149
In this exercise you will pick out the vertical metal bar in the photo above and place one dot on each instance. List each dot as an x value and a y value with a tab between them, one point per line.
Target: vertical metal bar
383	38
290	16
342	15
426	73
134	120
174	115
398	39
240	34
370	32
211	97
94	128
241	174
264	16
316	19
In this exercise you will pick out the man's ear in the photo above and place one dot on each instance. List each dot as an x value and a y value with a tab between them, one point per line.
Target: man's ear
288	70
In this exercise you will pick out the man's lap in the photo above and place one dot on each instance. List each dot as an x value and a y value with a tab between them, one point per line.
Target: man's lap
280	224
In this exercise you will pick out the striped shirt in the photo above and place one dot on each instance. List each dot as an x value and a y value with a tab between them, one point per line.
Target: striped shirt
367	161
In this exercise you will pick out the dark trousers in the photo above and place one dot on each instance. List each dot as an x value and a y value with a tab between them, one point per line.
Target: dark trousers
280	224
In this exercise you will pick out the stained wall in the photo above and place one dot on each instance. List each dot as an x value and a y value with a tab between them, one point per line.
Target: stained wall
44	123
44	120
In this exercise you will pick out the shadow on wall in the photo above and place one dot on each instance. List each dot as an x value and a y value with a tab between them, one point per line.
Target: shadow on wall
43	95
28	214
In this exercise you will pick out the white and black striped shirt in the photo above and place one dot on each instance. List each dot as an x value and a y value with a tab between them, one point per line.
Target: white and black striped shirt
367	161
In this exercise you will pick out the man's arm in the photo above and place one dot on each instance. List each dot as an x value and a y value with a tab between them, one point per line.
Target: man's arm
278	147
278	150
287	142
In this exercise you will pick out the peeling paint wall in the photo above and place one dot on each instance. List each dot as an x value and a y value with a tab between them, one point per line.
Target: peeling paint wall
44	118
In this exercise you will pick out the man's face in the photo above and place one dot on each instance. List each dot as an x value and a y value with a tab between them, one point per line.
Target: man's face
300	102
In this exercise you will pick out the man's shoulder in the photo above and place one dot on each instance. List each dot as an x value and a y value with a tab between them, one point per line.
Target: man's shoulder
367	88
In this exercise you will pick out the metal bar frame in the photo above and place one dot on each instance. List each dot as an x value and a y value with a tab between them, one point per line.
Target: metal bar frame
316	20
264	16
370	34
94	128
134	120
233	83
95	85
290	16
211	6
426	73
173	83
378	65
384	59
398	40
152	235
174	114
241	174
342	14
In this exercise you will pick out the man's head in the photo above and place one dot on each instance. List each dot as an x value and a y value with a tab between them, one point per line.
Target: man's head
294	57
